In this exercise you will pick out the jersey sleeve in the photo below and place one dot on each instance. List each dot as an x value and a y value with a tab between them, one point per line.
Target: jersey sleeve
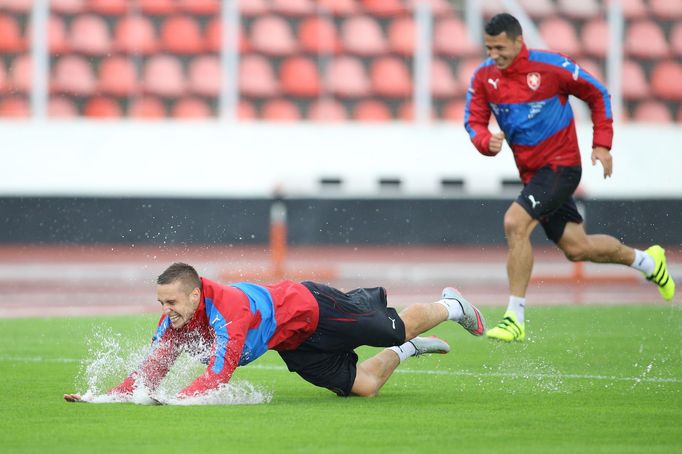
477	115
585	86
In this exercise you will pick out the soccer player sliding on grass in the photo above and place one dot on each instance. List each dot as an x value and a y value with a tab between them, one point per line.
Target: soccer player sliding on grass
528	91
313	327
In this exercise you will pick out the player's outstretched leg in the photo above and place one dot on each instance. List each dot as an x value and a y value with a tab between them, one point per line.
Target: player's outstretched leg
660	276
462	311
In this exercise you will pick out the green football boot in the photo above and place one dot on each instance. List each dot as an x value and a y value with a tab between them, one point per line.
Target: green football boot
508	330
660	276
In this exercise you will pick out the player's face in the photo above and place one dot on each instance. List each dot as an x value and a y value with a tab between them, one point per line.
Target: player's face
177	302
502	49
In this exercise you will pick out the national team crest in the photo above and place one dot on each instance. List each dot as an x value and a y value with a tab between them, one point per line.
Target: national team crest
533	80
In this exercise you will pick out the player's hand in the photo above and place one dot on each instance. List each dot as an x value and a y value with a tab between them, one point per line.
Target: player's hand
73	398
603	155
496	141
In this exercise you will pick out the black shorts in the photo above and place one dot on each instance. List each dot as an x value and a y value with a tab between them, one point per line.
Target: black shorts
548	197
347	321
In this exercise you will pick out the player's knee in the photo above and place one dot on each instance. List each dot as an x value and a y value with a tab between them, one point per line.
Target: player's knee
513	226
365	384
575	253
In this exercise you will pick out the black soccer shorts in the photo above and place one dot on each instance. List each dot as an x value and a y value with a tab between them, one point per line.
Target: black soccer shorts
347	321
548	197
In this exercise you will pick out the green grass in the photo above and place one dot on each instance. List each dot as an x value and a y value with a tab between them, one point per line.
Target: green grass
589	379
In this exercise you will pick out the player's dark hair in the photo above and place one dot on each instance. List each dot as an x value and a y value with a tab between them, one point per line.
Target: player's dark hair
504	22
180	271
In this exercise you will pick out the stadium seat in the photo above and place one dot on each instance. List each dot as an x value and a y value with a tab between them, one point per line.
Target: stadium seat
11	40
163	76
666	80
454	110
465	70
73	75
318	35
135	35
635	85
191	108
443	82
272	35
56	35
61	107
592	67
362	35
68	7
17	6
579	9
438	7
21	74
89	35
390	77
256	77
539	9
634	9
327	110
347	77
4	79
280	110
450	38
402	36
147	108
652	111
300	76
245	110
205	76
293	7
102	107
666	9
595	37
339	7
15	107
253	8
645	39
560	35
110	7
201	7
372	110
383	8
118	77
157	7
491	7
214	36
181	35
676	39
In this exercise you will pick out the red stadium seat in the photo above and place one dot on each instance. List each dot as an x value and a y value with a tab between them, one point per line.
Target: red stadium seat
666	9
465	70
299	76
676	39
327	110
254	8
372	110
539	9
443	82
201	7
362	35
666	80
451	38
635	85
383	7
293	7
245	110
339	7
163	76
118	77
21	74
645	39
135	35
634	9
74	76
69	7
4	79
652	112
347	77
191	108
15	107
214	36
89	35
110	7
157	7
595	38
492	7
11	40
256	77
579	9
17	6
61	108
181	35
205	76
560	35
147	108
454	110
101	107
272	35
438	7
280	110
402	36
56	35
390	77
318	35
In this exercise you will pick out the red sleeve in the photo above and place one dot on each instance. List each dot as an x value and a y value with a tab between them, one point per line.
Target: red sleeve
477	114
583	85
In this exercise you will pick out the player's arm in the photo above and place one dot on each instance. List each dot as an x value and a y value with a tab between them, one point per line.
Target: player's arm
477	117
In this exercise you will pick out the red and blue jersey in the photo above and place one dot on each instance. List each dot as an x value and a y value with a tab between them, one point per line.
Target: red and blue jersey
237	324
530	102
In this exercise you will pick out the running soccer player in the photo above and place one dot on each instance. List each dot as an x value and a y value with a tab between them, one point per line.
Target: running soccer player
528	91
314	328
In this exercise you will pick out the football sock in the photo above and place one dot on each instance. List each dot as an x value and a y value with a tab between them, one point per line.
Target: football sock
643	262
404	351
517	305
455	311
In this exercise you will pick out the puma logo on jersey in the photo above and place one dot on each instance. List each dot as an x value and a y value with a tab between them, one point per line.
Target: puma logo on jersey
215	320
392	321
533	201
493	82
